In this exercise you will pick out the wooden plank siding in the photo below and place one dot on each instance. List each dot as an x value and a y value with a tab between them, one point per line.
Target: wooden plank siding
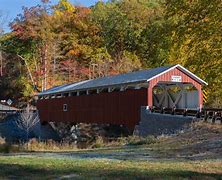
122	108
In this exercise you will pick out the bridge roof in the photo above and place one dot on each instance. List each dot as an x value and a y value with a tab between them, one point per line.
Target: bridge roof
120	79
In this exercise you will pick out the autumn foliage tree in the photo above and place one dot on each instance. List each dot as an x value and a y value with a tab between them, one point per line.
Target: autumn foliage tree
196	41
62	43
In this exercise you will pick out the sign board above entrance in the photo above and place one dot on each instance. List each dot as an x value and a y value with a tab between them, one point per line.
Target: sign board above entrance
176	78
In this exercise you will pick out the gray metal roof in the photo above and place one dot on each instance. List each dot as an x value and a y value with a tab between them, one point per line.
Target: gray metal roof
121	79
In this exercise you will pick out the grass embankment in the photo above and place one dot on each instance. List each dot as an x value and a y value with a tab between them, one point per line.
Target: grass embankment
49	168
201	141
201	138
166	157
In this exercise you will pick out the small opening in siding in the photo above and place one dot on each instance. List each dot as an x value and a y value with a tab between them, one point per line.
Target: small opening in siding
82	93
65	107
66	94
74	94
105	90
58	95
93	91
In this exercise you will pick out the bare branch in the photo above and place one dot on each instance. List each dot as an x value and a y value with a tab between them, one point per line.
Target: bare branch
29	71
27	121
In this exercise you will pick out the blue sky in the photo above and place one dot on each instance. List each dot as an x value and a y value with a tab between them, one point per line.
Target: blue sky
11	8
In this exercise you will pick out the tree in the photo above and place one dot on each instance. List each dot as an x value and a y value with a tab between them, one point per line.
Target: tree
35	25
196	40
27	121
2	22
122	24
16	81
63	43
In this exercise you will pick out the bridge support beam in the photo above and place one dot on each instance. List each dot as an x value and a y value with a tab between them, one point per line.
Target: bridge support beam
175	95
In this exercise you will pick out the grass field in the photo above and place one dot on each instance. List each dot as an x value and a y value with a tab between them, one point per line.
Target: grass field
49	168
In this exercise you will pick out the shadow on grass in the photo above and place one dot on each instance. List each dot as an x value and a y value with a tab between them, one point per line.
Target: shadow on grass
20	171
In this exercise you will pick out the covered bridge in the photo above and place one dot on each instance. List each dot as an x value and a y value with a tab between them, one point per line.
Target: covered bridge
118	99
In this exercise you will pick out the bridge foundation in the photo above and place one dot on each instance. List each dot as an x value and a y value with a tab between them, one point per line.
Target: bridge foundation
157	124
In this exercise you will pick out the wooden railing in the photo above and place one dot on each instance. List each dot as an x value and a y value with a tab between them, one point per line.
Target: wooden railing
207	114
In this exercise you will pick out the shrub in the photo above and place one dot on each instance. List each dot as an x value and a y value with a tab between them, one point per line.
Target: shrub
10	148
49	145
2	140
98	143
7	147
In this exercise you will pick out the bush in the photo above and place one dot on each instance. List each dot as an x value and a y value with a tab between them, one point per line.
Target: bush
7	147
99	143
10	148
2	140
49	145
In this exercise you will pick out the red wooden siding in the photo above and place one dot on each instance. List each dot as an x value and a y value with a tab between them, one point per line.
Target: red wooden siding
122	108
167	77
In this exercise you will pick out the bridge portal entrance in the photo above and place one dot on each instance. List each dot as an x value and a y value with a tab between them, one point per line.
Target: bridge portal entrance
175	95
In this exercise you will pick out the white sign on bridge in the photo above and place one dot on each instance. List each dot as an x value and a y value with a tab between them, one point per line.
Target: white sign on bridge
176	78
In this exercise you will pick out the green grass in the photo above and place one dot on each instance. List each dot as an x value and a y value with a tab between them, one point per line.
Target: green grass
49	168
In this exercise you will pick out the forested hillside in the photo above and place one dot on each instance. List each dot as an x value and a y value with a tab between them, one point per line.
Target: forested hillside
54	44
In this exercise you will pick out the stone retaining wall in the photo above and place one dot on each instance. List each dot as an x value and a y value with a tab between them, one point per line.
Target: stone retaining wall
157	124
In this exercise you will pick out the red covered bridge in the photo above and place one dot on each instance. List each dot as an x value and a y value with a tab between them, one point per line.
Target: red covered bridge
118	99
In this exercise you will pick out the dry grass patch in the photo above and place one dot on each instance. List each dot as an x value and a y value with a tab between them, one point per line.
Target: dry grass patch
202	138
49	145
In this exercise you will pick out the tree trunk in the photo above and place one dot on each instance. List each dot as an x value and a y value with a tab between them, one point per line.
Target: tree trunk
45	69
1	64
